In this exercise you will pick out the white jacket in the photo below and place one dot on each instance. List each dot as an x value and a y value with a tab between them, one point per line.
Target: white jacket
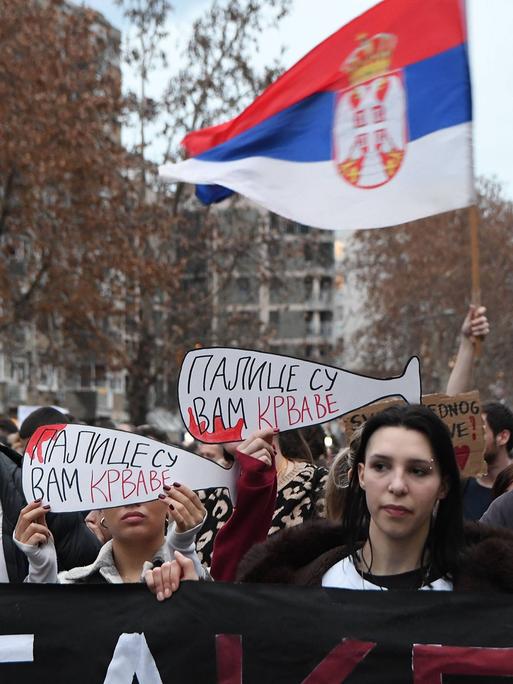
43	560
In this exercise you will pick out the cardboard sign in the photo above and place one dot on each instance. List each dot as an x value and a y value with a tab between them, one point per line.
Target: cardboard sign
356	419
80	468
462	415
225	394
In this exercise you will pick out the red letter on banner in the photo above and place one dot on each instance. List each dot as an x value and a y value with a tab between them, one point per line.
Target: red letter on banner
229	658
340	662
336	666
432	661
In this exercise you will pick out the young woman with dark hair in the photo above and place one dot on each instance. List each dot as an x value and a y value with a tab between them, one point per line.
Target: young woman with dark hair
403	502
402	525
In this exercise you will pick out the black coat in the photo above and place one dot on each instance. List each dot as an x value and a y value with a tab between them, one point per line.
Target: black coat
74	542
301	555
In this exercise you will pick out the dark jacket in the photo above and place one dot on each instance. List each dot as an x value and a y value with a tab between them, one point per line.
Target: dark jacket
301	555
74	542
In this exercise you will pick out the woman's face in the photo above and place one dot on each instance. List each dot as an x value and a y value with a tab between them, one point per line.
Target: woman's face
144	522
402	482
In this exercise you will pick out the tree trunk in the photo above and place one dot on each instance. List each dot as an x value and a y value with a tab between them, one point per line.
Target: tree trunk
140	379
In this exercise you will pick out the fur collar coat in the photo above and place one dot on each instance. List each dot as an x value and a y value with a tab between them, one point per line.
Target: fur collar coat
301	555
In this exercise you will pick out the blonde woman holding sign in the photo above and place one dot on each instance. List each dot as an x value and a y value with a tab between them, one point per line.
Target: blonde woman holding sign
139	546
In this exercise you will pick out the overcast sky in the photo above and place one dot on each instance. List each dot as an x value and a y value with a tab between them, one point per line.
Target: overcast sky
491	53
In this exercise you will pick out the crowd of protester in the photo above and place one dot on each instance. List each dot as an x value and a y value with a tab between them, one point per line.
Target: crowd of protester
389	511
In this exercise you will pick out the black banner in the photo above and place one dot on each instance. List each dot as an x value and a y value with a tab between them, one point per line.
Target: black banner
228	634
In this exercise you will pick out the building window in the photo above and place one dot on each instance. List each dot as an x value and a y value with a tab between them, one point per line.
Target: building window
85	376
274	318
308	284
326	253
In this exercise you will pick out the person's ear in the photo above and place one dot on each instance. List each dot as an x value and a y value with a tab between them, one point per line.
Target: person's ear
444	488
361	474
503	437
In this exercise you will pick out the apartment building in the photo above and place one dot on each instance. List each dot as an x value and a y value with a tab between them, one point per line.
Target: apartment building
284	289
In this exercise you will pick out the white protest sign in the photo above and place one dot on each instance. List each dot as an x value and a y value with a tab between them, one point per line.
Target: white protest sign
225	394
80	467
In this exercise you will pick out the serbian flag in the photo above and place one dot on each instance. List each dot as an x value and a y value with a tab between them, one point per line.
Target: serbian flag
371	128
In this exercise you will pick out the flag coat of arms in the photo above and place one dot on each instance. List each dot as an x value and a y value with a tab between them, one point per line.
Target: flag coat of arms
372	128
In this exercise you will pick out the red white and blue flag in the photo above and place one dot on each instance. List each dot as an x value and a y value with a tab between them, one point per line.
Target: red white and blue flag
372	128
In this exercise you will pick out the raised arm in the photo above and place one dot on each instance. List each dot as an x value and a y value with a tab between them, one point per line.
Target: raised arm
474	326
253	512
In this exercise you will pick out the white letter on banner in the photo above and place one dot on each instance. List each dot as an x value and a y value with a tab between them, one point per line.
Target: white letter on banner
132	657
17	648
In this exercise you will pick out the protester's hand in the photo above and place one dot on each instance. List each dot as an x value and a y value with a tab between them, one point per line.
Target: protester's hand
166	579
476	323
185	507
259	445
31	527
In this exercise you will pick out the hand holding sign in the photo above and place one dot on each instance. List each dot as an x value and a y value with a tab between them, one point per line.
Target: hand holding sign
184	505
225	394
259	445
31	527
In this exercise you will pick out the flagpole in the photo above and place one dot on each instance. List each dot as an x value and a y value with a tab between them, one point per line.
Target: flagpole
476	276
473	215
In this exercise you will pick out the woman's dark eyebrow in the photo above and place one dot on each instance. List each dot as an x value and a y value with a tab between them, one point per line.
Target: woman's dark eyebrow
410	461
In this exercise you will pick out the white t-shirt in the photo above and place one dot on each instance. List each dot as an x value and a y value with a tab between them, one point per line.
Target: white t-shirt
344	575
4	577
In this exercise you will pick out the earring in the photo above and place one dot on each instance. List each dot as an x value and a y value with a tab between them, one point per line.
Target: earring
102	524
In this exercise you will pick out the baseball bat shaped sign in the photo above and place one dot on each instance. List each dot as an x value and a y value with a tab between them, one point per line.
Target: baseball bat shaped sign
225	394
80	468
